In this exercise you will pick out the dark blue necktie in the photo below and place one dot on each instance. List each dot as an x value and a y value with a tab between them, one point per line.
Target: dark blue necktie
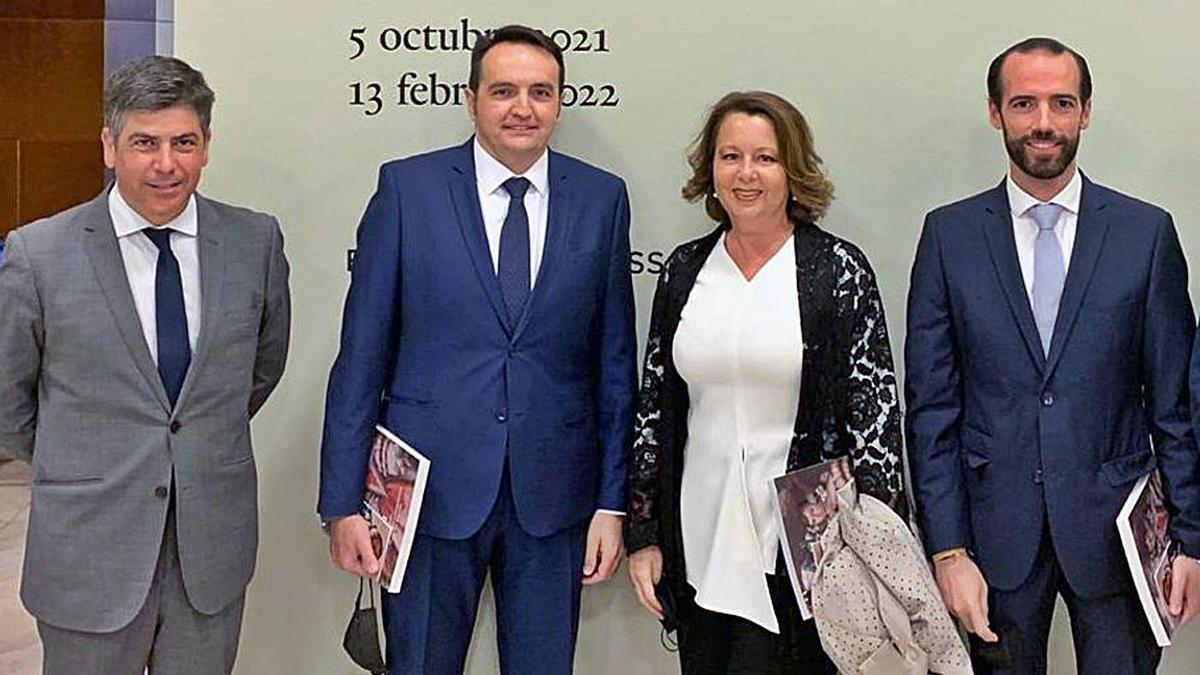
512	269
174	350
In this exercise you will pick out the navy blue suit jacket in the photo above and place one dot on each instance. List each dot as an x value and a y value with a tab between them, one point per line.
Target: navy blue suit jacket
1003	438
426	349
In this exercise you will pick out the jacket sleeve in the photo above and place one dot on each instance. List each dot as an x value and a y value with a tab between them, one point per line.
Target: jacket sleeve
370	320
933	392
275	330
617	367
874	407
21	339
1166	349
642	521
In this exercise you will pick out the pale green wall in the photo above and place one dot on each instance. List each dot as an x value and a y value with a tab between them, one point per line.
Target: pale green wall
893	90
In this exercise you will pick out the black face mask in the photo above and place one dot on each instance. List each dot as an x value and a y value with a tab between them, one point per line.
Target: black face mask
362	635
669	635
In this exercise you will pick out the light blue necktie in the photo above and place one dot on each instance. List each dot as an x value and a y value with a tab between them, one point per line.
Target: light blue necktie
1049	271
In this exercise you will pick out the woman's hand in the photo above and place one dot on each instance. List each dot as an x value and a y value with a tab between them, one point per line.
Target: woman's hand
645	569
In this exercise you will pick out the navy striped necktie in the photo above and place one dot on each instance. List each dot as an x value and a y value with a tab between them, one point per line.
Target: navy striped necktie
174	350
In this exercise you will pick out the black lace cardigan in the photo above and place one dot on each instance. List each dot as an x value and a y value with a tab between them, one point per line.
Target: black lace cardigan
848	401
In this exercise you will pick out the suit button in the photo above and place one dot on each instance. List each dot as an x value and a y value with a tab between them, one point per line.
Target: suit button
175	427
501	416
161	492
1038	477
1048	399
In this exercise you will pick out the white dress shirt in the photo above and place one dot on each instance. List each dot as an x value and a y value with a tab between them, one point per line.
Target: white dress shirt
490	175
141	263
739	348
1025	229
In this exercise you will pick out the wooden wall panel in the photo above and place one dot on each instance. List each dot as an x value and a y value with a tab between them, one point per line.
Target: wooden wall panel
53	74
58	174
52	9
8	185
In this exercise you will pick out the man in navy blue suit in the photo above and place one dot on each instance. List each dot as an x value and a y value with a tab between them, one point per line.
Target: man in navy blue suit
1049	331
490	324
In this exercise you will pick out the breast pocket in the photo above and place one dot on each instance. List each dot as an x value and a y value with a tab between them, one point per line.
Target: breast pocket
241	304
1114	328
234	340
584	277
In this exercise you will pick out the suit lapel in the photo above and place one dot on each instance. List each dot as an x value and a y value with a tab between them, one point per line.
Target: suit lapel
998	229
210	233
558	223
465	196
1090	230
104	255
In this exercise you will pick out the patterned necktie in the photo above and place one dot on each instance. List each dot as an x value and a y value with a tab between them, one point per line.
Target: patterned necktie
512	269
1049	271
174	350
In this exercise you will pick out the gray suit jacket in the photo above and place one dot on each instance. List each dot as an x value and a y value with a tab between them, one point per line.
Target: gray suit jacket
81	398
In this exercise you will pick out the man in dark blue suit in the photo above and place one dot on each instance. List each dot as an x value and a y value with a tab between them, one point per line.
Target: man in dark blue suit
1049	331
490	324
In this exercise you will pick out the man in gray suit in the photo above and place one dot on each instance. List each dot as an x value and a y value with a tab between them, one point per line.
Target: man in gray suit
141	331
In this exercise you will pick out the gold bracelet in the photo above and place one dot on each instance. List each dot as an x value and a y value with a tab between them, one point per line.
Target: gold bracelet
948	554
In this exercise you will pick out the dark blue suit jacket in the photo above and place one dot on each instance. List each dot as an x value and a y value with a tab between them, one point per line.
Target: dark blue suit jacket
426	349
1002	438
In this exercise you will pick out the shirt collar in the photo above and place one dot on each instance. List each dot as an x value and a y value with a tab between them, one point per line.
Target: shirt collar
1021	201
490	174
126	221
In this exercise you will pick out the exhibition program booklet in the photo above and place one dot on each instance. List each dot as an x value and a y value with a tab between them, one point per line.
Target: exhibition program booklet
806	502
1143	524
395	486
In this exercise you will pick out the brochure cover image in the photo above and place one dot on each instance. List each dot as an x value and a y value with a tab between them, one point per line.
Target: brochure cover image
1143	525
395	485
807	501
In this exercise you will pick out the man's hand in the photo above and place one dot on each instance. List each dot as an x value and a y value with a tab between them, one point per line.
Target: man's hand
965	593
604	548
350	546
645	569
1185	588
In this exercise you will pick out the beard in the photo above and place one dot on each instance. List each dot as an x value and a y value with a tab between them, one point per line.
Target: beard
1044	169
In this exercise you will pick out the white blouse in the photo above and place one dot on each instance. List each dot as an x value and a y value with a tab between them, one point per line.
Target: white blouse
739	347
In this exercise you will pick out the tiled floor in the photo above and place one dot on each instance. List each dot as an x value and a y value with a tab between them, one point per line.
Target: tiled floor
20	651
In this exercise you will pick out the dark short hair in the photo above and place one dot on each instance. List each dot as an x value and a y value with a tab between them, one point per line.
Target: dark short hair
155	83
811	191
519	34
1037	44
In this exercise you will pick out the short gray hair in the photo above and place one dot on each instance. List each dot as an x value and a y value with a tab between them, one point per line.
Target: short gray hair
155	83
